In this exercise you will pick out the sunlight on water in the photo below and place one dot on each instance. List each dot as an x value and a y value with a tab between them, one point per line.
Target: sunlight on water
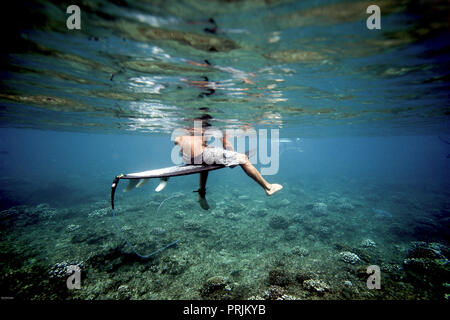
305	65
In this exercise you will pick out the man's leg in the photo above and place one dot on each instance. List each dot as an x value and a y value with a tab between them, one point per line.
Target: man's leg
202	190
253	173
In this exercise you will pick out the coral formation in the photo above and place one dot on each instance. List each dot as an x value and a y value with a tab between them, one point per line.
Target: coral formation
317	286
278	222
319	209
368	243
259	253
216	287
349	257
279	277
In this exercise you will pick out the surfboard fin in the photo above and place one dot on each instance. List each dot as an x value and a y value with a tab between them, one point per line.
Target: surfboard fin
131	185
141	183
162	184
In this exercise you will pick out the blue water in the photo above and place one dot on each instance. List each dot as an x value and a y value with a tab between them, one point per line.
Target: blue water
362	117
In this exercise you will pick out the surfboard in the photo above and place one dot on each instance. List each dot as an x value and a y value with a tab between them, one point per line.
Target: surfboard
174	171
138	179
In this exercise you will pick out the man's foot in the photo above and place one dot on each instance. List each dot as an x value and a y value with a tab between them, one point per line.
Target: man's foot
203	203
273	188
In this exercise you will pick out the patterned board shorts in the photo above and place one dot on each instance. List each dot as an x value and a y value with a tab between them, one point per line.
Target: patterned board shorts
216	155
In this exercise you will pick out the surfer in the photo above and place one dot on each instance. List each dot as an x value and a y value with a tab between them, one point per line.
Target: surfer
195	150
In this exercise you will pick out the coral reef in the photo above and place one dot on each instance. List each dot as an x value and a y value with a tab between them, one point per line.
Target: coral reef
59	270
73	227
278	203
320	209
278	222
216	287
291	233
279	277
428	264
300	251
99	213
259	212
349	257
368	243
239	249
316	286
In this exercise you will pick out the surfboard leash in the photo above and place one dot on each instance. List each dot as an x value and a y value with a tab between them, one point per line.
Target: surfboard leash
113	190
132	247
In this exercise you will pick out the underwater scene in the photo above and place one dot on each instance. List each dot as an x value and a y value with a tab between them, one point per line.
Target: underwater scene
331	119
